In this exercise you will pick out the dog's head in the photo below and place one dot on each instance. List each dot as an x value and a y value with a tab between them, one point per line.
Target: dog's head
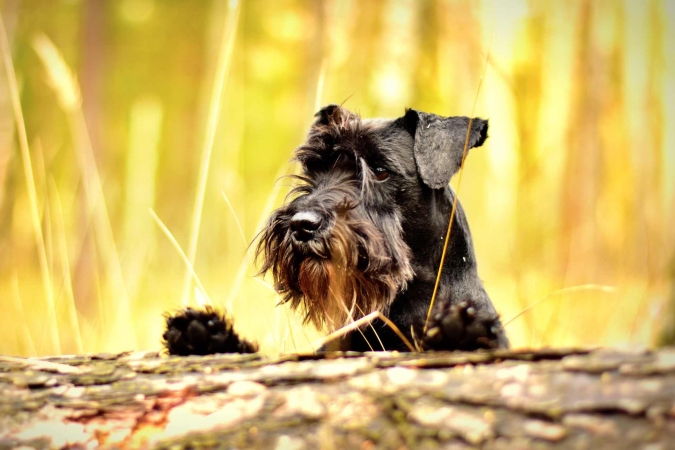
337	248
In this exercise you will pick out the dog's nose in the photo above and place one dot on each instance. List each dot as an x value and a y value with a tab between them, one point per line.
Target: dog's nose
304	224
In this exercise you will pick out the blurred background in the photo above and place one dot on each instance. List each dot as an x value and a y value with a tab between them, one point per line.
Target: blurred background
137	136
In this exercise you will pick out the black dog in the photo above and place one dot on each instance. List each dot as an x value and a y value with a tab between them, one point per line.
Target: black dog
365	232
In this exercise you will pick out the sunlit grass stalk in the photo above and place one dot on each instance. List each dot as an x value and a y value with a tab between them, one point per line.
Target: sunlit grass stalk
30	187
236	219
350	316
21	321
146	117
289	332
374	331
318	98
65	85
40	172
247	255
459	183
246	261
105	239
583	287
65	268
447	234
100	328
358	324
220	80
181	253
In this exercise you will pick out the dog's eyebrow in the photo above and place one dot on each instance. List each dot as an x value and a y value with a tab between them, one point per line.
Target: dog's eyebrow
395	165
379	148
378	155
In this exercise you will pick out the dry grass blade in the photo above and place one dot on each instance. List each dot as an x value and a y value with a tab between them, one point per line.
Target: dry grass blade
289	330
447	234
236	219
319	85
398	332
374	331
59	76
454	203
359	323
583	287
266	284
65	268
247	260
220	80
30	187
185	259
66	88
21	319
351	317
344	330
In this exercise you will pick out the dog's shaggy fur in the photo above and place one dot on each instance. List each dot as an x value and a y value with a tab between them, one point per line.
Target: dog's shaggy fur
363	231
357	260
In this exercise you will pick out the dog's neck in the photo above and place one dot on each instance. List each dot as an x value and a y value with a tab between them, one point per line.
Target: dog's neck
412	304
427	248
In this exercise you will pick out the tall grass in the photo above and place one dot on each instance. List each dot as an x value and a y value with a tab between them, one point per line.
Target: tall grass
572	193
118	315
219	82
30	189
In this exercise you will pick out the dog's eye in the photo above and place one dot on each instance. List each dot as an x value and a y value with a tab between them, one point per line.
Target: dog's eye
381	174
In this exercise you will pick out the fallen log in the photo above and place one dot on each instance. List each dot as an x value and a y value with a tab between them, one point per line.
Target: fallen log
560	398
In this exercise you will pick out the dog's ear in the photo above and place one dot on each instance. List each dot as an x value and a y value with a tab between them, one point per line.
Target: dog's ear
439	144
326	114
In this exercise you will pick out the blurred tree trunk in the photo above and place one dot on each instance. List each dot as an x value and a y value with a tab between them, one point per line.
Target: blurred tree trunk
579	239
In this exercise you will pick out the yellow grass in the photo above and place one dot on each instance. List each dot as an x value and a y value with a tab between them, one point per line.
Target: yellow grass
182	255
219	83
73	327
30	189
572	193
118	314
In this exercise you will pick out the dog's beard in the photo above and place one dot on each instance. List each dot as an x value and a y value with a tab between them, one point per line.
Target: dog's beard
336	280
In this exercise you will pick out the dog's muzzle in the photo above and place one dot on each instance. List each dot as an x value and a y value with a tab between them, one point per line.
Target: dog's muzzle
304	226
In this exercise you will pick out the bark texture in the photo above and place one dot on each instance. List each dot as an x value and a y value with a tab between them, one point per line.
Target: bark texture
563	398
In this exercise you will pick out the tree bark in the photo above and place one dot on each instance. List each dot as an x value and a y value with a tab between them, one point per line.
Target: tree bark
504	399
